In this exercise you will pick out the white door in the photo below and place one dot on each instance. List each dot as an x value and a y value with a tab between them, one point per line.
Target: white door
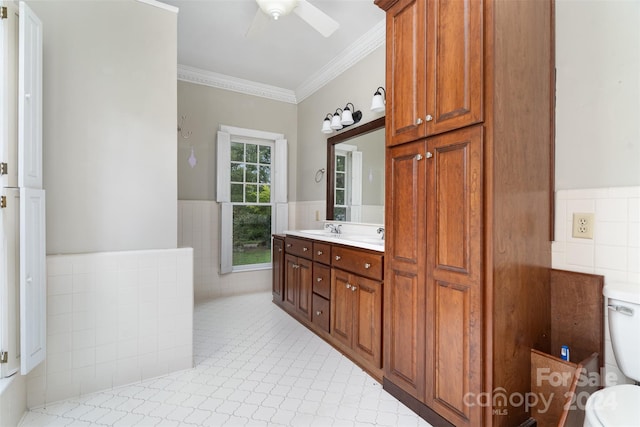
30	99
33	289
9	95
9	283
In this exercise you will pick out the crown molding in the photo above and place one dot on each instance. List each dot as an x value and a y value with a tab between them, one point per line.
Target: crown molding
160	5
360	48
222	81
363	46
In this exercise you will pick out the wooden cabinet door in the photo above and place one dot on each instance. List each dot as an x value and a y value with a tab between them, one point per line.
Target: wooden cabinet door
454	275
341	307
404	272
454	65
367	325
406	71
277	272
305	287
290	283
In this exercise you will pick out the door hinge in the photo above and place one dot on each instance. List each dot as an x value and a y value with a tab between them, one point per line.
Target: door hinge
4	356
3	202
4	168
3	12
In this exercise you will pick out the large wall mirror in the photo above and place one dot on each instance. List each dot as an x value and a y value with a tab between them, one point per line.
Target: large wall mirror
355	174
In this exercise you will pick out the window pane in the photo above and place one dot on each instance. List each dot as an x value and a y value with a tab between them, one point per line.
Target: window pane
265	174
340	180
251	235
339	197
237	193
237	152
252	173
340	163
265	194
252	153
251	193
265	154
237	172
340	214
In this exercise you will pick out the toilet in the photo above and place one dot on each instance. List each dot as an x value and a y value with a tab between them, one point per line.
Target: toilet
620	405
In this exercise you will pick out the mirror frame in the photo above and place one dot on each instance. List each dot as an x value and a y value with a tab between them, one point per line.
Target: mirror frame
337	139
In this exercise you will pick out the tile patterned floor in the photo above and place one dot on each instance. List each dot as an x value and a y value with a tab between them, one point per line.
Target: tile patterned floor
254	366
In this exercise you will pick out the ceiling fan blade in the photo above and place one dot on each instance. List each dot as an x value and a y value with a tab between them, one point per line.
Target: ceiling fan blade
260	21
319	20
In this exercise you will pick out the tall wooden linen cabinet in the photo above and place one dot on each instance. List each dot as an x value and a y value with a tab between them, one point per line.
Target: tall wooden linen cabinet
469	198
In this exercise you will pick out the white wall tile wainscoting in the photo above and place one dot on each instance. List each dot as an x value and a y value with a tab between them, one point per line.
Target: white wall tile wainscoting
114	318
614	251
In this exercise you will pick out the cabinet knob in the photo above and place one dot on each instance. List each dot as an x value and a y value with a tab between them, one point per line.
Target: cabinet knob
305	249
418	157
279	249
418	121
353	288
318	313
337	257
367	265
348	286
320	252
288	245
429	154
429	117
319	279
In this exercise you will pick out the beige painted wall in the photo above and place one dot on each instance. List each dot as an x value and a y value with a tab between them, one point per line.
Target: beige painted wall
109	125
206	108
356	85
598	94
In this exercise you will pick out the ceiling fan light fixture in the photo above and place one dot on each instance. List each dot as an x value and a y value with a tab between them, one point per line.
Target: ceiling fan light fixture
277	8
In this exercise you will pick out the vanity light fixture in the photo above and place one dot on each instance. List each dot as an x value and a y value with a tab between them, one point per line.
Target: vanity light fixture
378	101
326	124
336	123
341	119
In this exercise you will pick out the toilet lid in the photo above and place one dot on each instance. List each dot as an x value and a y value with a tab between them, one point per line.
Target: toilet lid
617	406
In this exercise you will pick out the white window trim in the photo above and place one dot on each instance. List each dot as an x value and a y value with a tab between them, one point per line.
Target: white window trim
279	219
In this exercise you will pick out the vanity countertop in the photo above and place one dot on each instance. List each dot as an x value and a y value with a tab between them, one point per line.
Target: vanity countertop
364	241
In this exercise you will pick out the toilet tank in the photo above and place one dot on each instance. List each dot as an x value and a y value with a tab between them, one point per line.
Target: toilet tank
624	325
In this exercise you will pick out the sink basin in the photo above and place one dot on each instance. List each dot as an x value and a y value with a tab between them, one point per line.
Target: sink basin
364	239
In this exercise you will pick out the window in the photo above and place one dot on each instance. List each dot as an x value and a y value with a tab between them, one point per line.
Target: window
250	182
341	196
252	194
347	194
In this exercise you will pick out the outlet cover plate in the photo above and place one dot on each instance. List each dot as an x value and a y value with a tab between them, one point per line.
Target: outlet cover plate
583	225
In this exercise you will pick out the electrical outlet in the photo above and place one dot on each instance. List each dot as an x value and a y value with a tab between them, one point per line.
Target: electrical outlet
583	225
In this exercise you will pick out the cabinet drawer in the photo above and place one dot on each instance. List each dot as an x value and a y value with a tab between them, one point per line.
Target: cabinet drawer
299	247
322	252
357	261
322	280
320	315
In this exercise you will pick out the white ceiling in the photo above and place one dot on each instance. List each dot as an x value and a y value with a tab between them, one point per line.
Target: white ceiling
285	54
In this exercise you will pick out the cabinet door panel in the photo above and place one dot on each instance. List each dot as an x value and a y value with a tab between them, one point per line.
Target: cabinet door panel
305	287
406	68
290	282
341	307
454	275
368	326
277	278
455	187
404	331
405	204
451	352
454	64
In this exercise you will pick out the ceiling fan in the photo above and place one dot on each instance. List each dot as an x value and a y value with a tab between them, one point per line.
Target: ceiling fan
275	9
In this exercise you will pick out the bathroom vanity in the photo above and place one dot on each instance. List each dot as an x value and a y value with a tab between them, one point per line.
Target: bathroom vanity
332	283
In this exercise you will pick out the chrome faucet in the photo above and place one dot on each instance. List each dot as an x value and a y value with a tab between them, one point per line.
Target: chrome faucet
381	231
334	228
